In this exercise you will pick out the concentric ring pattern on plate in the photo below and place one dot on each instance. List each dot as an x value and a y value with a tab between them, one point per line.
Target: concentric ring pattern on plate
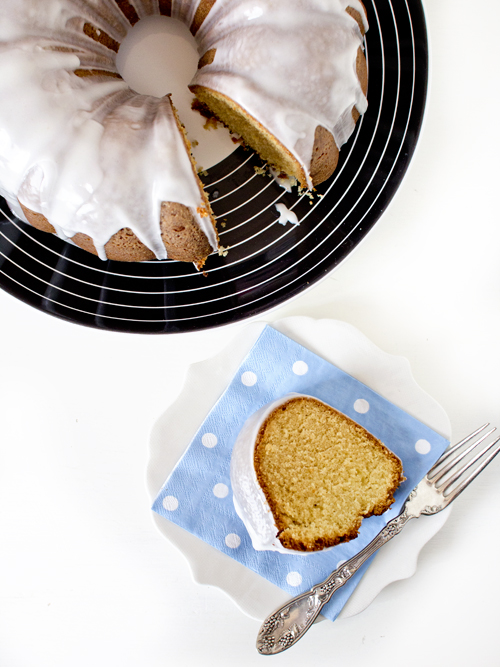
266	263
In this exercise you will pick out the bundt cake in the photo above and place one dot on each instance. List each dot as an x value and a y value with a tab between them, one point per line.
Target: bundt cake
304	476
84	156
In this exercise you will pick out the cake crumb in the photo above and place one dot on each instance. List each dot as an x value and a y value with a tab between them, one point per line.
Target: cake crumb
211	124
261	171
322	474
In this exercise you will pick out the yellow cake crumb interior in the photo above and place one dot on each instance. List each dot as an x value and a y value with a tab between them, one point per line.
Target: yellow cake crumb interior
322	473
252	133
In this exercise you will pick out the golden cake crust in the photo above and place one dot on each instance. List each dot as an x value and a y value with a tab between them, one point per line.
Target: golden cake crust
181	236
325	155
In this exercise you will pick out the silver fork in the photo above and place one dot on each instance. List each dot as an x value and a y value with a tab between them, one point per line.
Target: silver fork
442	484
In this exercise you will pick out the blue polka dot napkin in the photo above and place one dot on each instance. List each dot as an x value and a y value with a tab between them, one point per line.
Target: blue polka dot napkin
197	495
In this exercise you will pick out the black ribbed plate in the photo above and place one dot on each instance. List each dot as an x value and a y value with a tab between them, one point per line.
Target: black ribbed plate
267	263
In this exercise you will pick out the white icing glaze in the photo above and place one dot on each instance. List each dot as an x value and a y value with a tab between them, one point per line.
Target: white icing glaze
88	154
184	11
286	215
249	500
284	181
291	64
93	157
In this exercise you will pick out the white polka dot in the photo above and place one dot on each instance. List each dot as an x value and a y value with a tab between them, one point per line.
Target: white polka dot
422	446
361	406
220	490
294	579
300	368
233	541
249	378
209	440
170	503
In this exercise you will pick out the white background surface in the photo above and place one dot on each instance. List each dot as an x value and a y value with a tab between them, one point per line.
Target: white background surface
85	578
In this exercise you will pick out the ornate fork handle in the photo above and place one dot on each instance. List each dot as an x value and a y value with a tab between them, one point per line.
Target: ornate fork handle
291	621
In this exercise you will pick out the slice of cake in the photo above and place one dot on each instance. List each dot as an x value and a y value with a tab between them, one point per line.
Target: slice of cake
315	474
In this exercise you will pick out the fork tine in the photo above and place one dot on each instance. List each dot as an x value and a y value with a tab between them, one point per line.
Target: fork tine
473	474
436	473
464	466
453	449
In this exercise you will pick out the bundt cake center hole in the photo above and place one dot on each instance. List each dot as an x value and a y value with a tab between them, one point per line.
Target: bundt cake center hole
158	57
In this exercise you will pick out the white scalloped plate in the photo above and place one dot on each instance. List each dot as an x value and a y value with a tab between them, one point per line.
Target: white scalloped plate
346	347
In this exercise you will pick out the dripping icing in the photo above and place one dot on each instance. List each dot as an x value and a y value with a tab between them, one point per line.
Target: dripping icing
69	144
